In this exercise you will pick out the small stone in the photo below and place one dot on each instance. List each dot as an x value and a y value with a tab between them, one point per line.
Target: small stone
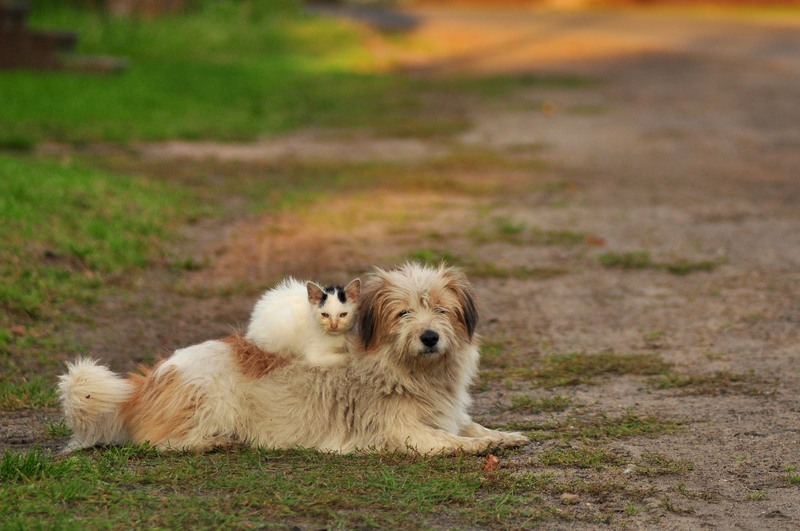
570	499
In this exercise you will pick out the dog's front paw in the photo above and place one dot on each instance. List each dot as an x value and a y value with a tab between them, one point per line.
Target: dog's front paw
511	439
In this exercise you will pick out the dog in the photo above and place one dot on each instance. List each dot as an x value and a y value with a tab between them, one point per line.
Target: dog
404	387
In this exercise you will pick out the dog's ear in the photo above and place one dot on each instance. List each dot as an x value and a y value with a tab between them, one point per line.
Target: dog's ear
470	311
368	311
468	314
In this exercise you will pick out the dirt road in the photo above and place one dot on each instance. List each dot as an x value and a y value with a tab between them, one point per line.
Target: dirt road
688	149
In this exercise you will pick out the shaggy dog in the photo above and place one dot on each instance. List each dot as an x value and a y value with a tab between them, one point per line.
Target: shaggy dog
403	388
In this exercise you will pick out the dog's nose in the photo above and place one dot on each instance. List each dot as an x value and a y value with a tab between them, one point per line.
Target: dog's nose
429	338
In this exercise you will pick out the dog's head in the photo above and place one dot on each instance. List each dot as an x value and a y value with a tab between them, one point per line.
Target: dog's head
422	311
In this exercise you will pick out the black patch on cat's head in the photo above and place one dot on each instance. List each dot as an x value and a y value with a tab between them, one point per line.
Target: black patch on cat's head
334	290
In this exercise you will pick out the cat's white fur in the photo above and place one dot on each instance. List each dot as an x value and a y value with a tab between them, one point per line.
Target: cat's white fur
289	320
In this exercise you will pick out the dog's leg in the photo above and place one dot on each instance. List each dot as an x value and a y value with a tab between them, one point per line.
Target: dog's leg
417	437
502	439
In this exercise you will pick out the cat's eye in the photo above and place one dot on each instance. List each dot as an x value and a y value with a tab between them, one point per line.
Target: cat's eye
343	314
325	315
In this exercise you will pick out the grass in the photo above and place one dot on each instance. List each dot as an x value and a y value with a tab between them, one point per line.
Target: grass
592	429
261	68
540	404
482	269
595	458
642	260
629	424
20	392
598	490
77	224
686	492
716	383
66	238
582	368
32	466
560	370
506	229
654	464
493	270
250	487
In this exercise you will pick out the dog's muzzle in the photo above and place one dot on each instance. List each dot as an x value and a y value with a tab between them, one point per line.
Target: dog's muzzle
430	340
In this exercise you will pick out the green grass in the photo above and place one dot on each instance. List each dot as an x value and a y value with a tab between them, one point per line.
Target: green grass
506	229
65	227
136	487
597	428
631	260
482	269
69	233
34	391
580	368
493	270
642	260
560	370
259	67
24	468
540	404
716	383
654	464
229	71
434	257
592	457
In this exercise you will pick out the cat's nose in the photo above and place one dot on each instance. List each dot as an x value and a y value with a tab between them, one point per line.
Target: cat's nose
334	325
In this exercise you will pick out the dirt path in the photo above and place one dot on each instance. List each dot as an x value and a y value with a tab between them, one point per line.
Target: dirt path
687	148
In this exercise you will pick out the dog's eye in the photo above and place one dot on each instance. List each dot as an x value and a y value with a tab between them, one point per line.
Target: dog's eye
440	310
404	313
343	314
325	315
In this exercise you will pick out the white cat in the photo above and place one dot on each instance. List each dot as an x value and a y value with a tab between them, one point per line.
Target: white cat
303	320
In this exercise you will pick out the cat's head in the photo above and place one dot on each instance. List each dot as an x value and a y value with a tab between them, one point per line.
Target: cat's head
334	306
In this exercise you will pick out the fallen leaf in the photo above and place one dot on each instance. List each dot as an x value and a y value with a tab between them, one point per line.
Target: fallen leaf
492	463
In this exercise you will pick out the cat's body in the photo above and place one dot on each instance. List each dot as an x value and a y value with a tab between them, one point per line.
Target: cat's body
301	320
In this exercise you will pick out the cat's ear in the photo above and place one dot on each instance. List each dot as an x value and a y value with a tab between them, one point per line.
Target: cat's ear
315	293
353	289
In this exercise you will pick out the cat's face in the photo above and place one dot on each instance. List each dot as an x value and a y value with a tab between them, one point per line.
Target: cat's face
334	306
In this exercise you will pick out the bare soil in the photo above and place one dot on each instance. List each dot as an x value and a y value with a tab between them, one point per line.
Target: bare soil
687	147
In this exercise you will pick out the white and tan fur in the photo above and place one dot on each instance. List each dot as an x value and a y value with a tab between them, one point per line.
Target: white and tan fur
399	393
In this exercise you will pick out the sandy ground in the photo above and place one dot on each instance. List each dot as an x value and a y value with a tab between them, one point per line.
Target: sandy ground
688	147
693	153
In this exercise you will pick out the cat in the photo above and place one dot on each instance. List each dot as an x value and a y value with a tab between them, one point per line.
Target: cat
302	320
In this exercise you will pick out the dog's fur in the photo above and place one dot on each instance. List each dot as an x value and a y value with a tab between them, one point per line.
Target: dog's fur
404	389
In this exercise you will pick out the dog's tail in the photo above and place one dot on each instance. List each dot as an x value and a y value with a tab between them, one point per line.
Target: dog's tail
91	396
